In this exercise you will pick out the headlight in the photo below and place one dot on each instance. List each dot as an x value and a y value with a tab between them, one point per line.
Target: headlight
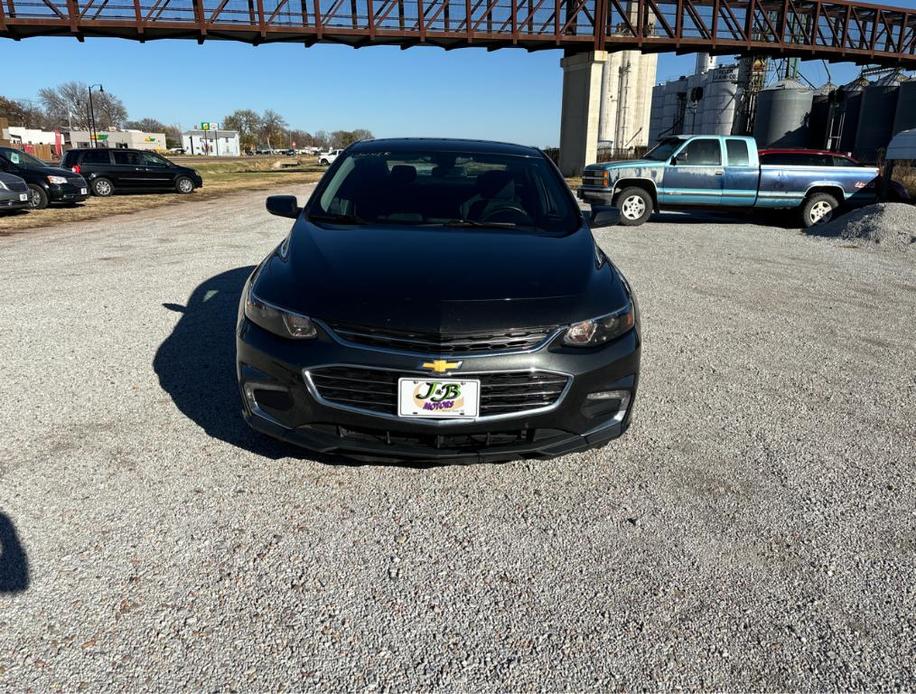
277	320
597	331
57	179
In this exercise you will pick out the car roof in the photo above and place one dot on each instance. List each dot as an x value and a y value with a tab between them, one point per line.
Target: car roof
444	144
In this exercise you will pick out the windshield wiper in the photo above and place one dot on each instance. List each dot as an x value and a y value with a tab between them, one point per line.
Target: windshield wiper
336	218
475	223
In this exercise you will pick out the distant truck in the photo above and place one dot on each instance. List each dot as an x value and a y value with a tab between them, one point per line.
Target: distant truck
691	171
329	157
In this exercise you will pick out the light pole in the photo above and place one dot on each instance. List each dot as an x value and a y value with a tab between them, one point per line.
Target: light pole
93	133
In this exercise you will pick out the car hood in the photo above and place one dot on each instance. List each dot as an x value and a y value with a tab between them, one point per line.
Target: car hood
434	279
53	171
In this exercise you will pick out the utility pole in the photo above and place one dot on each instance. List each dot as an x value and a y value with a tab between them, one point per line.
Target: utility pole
93	132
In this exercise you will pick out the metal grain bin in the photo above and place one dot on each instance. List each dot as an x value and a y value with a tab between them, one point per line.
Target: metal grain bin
876	122
905	117
782	115
720	101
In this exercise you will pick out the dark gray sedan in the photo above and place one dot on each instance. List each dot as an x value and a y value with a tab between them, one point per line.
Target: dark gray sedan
14	192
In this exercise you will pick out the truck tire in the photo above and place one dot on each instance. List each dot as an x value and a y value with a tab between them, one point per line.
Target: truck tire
818	209
635	205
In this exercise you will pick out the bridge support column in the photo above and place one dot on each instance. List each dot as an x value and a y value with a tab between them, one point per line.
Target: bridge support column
581	114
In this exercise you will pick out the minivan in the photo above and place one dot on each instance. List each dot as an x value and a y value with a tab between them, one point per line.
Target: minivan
129	170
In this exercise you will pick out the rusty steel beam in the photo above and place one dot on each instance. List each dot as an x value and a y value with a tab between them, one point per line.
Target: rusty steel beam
834	30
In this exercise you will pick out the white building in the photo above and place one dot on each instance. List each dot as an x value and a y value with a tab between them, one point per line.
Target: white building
213	143
119	139
31	136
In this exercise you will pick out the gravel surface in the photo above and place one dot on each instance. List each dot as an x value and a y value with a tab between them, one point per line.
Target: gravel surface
888	226
755	529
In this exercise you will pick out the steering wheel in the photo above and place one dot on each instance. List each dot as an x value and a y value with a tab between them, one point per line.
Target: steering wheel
506	213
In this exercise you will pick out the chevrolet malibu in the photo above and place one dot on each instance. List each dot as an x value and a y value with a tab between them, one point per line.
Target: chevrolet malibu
439	300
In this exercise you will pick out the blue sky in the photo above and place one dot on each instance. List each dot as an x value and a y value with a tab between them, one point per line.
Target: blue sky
505	95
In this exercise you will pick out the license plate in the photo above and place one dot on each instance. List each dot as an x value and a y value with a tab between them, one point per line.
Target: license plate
83	191
23	197
438	398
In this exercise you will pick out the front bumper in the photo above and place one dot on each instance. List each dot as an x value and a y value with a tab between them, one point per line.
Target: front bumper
9	200
68	192
278	401
596	196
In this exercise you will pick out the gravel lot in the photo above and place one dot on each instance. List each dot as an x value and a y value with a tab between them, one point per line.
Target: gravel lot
755	529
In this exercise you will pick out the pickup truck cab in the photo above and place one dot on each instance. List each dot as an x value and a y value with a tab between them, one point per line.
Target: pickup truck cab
724	172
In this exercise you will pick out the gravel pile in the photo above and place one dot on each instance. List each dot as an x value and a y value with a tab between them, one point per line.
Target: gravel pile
889	226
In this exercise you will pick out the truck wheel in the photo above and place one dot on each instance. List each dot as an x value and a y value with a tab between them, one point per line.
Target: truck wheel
818	209
635	206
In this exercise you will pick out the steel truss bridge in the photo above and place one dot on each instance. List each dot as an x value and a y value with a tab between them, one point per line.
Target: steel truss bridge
836	30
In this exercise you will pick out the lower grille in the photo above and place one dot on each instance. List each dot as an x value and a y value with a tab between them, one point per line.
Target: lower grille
518	340
375	390
441	441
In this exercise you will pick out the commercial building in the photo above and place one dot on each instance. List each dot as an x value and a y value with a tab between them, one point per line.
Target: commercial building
213	143
119	139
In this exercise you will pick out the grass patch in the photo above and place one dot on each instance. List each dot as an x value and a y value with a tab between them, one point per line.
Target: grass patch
221	177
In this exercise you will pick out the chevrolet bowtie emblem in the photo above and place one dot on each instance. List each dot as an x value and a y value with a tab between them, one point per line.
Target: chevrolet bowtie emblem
440	366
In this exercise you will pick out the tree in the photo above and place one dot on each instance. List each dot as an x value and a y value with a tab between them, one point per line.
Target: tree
322	139
68	104
343	138
21	113
301	138
151	125
248	124
273	128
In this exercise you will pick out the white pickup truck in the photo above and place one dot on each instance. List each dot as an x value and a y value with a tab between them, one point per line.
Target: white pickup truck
328	158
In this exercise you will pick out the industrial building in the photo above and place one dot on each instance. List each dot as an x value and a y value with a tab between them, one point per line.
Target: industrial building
777	107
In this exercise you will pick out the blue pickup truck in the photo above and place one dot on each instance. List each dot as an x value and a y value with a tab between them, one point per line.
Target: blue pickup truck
725	172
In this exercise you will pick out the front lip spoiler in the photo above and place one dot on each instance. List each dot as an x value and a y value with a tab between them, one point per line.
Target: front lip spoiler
368	451
313	391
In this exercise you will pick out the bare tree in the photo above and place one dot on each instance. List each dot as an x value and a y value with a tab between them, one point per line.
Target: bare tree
273	127
151	125
248	124
343	138
21	113
68	104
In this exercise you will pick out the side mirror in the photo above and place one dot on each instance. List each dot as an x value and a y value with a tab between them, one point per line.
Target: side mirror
283	206
604	217
673	161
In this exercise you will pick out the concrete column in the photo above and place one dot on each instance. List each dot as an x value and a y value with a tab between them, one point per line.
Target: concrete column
582	77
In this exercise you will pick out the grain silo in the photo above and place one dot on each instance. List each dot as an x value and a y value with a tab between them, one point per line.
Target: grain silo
905	117
876	122
673	108
782	115
720	101
657	115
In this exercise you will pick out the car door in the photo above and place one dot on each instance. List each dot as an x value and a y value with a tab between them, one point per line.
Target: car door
695	174
739	186
158	172
127	169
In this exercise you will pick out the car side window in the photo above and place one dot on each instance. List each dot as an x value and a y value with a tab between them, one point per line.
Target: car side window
153	160
701	152
96	156
843	161
737	153
126	158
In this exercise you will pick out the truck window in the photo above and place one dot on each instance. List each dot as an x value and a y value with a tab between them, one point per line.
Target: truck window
844	161
737	153
701	152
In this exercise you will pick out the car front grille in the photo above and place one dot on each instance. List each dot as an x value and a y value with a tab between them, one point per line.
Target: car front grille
520	340
17	186
594	179
376	390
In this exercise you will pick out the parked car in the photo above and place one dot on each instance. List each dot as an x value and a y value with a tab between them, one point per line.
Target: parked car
14	192
47	184
726	172
493	325
329	157
129	170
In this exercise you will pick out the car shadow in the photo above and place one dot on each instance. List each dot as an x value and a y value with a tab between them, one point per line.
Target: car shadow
196	367
14	565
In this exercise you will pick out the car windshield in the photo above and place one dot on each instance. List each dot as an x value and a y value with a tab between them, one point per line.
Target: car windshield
446	189
664	149
22	159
